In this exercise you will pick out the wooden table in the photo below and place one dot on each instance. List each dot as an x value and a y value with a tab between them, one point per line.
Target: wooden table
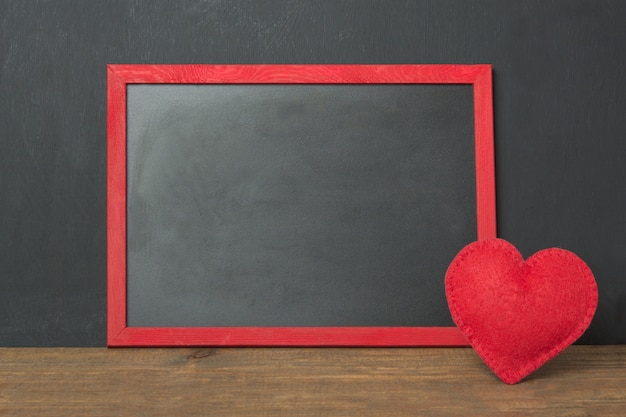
582	381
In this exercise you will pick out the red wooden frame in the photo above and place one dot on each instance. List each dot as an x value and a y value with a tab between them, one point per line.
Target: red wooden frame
119	76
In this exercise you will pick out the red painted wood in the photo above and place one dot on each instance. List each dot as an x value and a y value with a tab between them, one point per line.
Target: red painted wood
485	160
118	76
116	205
291	336
302	74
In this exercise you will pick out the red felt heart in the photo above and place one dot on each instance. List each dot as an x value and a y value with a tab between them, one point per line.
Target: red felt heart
517	314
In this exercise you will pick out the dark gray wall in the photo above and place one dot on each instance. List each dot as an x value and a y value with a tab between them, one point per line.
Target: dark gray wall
559	99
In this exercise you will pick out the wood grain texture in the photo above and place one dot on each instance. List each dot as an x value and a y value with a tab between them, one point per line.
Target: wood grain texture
116	202
289	336
302	74
583	381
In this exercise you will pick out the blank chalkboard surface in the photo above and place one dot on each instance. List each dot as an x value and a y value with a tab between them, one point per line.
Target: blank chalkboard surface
295	205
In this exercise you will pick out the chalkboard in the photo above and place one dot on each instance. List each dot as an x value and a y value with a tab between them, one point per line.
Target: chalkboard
293	205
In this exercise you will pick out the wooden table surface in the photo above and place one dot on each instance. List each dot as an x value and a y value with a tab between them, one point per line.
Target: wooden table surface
582	381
